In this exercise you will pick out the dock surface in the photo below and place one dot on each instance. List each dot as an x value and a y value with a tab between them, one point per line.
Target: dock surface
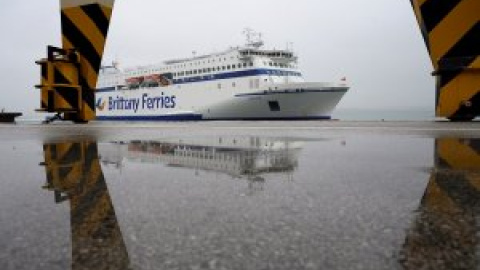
240	195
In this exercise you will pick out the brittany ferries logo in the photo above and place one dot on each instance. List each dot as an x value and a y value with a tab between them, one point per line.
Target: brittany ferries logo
145	102
100	104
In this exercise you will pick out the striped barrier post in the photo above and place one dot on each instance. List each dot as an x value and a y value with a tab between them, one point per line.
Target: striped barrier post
451	29
70	73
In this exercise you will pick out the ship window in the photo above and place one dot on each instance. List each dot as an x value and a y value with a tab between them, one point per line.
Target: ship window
223	67
244	64
274	106
233	84
233	66
228	67
251	64
219	86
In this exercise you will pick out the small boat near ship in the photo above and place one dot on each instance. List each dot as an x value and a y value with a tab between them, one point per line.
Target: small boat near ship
8	117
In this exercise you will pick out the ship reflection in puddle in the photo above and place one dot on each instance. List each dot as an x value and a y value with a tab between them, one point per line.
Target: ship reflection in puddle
74	174
249	158
444	234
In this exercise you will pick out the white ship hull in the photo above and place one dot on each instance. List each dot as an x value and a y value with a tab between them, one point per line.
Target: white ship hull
288	102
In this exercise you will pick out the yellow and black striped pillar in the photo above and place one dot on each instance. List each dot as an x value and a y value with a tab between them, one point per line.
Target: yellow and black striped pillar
74	174
444	234
85	26
70	73
451	29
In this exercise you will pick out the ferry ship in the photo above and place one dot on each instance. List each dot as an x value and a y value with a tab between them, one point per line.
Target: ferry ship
242	83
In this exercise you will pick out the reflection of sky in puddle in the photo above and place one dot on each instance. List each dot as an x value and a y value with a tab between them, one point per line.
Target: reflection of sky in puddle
241	202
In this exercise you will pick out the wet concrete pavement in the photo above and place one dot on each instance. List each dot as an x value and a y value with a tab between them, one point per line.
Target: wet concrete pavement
240	195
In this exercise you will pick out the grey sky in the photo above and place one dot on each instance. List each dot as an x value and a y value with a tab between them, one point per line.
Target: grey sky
376	44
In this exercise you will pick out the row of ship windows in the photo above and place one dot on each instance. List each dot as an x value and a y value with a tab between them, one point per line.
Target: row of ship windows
220	59
269	54
213	69
228	67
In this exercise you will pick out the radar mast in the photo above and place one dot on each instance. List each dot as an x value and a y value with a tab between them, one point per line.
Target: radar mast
254	39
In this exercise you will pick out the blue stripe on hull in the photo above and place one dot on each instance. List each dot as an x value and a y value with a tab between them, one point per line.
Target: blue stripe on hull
198	117
106	89
174	117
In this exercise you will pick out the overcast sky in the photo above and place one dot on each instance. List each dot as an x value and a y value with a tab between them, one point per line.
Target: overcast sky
376	44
